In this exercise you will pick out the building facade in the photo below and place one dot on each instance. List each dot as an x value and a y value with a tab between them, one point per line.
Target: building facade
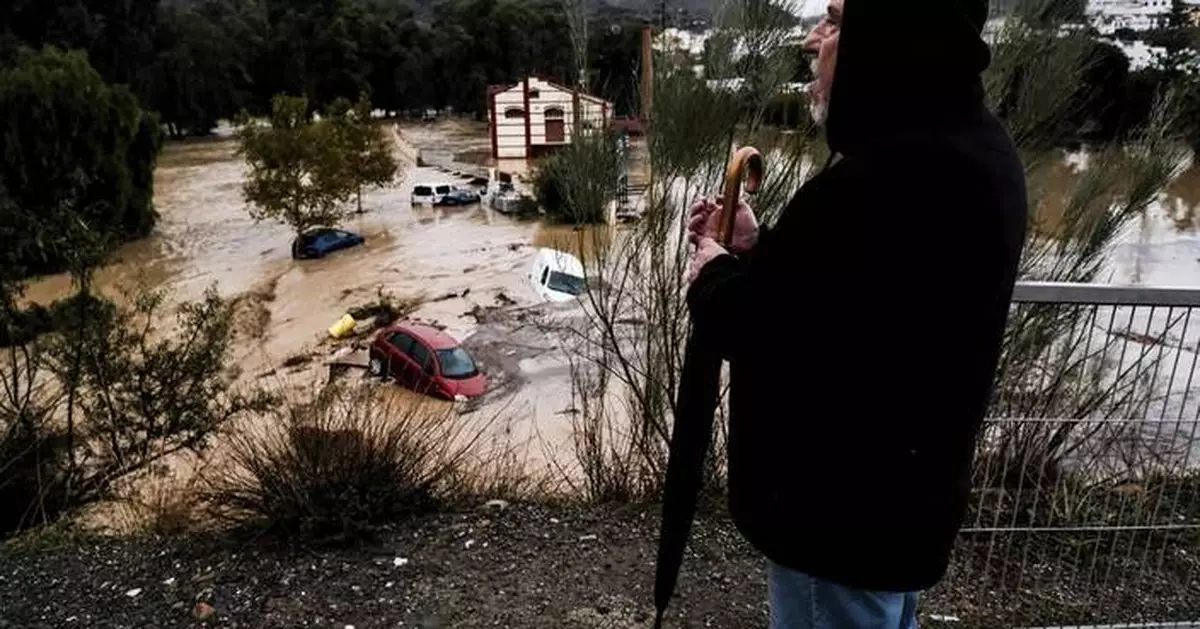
1109	16
535	116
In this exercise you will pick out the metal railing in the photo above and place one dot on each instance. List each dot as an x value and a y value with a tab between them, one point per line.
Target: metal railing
1086	501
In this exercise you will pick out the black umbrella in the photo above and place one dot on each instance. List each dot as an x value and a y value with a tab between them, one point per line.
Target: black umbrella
699	387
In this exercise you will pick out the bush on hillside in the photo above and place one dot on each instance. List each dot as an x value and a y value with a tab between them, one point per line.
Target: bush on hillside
576	184
336	469
106	396
24	325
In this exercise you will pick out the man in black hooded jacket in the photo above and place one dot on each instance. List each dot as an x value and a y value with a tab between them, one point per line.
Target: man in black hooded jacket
863	329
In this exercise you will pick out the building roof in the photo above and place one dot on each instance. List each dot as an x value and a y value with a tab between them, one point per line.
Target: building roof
584	95
496	89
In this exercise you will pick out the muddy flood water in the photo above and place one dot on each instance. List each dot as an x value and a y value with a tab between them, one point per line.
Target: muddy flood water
455	261
458	262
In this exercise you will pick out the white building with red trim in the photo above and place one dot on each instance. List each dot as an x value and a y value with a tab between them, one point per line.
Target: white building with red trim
535	116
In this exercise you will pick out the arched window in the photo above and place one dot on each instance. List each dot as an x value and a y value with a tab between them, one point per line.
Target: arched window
514	112
554	112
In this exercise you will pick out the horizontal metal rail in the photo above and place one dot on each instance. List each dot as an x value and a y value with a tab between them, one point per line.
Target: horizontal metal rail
1141	625
1106	528
1105	294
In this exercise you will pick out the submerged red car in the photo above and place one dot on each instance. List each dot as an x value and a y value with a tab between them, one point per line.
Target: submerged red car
426	360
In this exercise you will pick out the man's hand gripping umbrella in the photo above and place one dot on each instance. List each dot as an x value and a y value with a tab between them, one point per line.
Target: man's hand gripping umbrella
699	387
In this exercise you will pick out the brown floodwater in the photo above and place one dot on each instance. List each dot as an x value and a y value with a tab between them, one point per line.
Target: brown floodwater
205	237
1159	248
456	259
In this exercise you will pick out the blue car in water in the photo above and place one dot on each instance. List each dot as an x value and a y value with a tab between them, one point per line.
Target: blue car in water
318	243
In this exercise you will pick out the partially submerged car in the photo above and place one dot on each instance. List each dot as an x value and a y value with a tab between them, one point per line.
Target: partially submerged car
557	275
458	196
430	194
322	241
443	194
426	360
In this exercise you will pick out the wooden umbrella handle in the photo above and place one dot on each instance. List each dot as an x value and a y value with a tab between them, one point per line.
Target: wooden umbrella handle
746	161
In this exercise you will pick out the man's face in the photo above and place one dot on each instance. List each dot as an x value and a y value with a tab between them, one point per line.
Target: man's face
823	40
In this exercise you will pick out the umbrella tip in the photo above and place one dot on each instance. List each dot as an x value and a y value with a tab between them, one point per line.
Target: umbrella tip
658	618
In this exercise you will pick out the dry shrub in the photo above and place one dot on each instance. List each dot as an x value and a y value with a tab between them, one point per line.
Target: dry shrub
337	468
501	472
162	505
252	312
627	354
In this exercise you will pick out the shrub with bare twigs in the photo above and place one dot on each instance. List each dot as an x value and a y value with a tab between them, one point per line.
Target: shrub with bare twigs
336	468
115	390
626	360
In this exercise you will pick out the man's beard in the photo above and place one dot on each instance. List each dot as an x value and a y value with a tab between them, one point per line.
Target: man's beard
818	110
818	105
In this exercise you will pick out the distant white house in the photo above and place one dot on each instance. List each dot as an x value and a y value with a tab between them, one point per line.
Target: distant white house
1109	16
536	116
1129	7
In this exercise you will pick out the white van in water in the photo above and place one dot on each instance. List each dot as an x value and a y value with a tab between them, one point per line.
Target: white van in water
430	194
557	275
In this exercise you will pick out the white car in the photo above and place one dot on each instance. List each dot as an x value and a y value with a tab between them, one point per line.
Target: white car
430	194
557	275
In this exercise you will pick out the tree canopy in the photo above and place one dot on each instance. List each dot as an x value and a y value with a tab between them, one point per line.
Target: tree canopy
296	167
78	154
367	158
199	61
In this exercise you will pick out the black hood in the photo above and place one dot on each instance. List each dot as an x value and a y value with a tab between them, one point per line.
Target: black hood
905	67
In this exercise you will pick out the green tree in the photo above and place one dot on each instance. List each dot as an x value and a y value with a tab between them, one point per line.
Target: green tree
78	157
1174	39
366	154
614	54
296	167
199	74
141	382
578	182
117	36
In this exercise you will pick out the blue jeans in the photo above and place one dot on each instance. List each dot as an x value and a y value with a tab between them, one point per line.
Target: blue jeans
799	601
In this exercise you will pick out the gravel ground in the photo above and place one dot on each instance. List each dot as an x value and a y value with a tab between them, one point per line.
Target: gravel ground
526	566
522	566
